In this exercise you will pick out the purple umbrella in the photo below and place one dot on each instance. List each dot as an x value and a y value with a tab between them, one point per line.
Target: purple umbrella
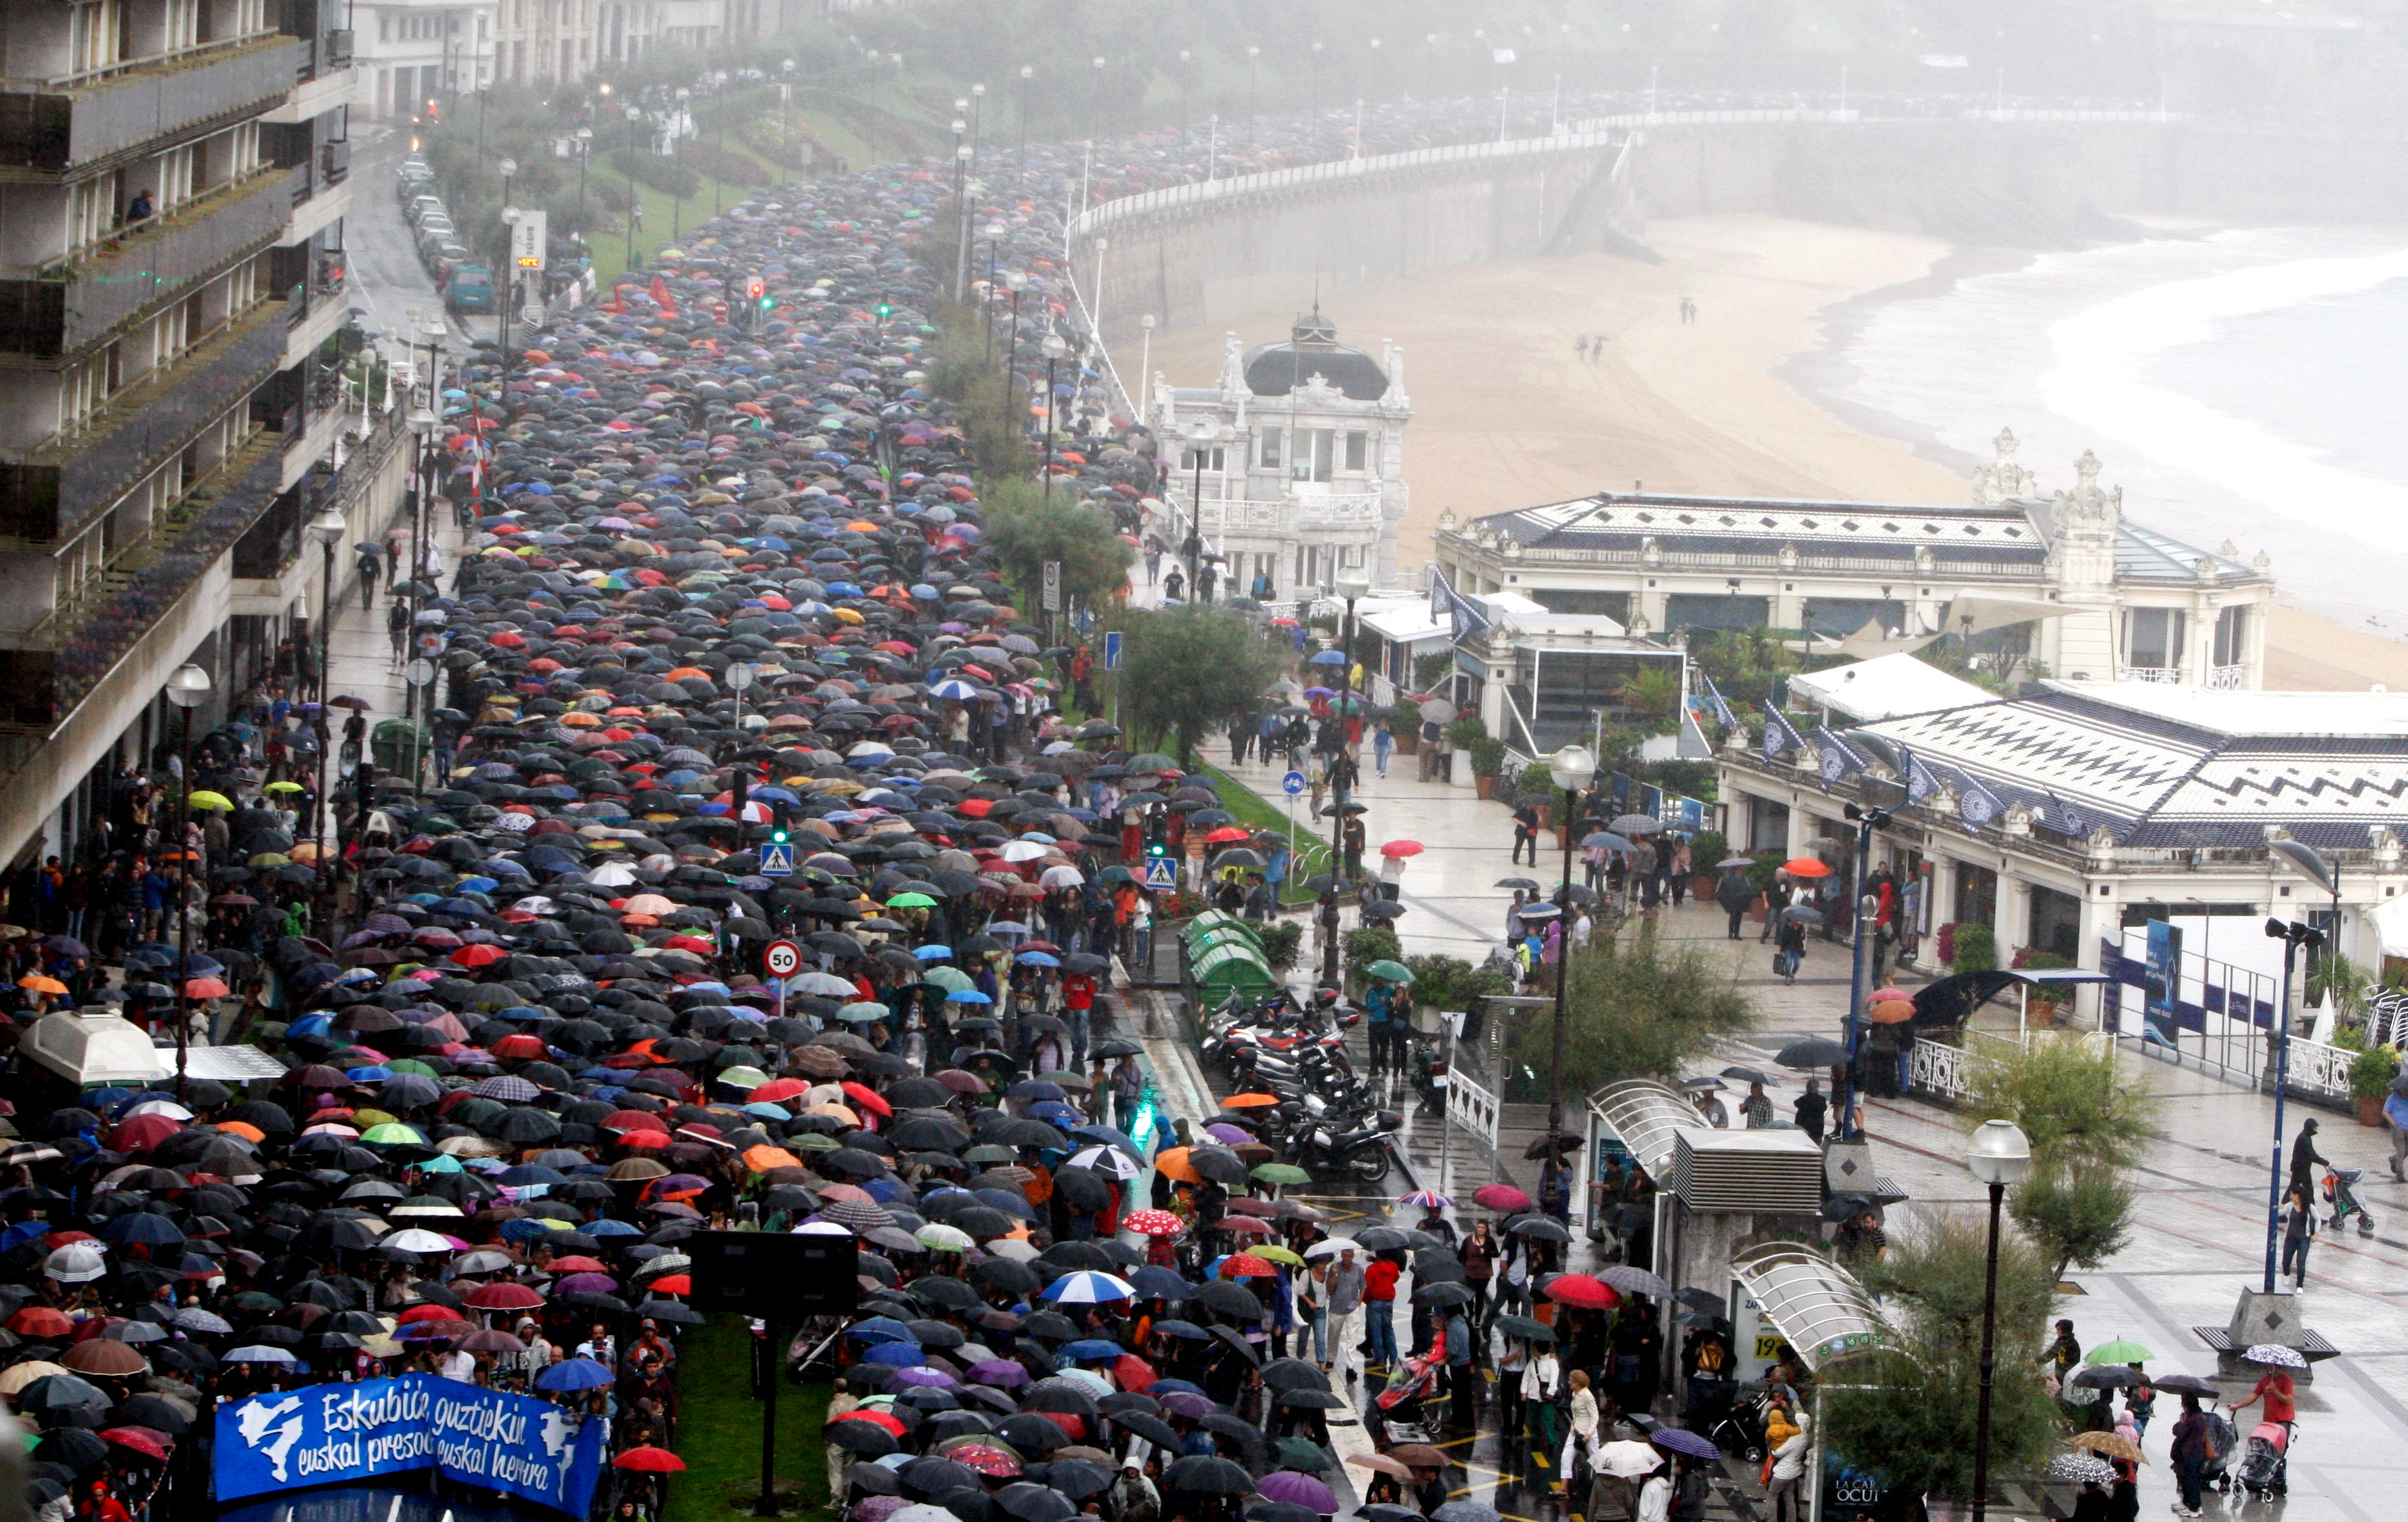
1234	1136
1001	1373
877	1508
1682	1441
1182	1403
585	1284
1299	1490
933	1378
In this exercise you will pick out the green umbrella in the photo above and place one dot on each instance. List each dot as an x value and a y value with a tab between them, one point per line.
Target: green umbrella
2122	1350
911	901
741	1077
392	1135
1387	972
1281	1174
950	979
862	1014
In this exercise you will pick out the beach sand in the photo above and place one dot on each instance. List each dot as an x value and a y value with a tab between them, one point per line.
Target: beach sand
1506	415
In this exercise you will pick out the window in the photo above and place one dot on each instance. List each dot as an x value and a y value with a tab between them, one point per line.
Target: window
2154	638
1315	447
1211	458
2232	637
1267	448
1358	450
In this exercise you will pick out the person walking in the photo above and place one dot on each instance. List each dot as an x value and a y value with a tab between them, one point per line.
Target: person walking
1791	952
1384	743
2395	1119
1478	1255
2299	1231
2305	1160
1379	1314
1778	895
2190	1455
1525	831
1788	1465
1345	1298
1810	1109
1311	1297
1735	893
1462	1380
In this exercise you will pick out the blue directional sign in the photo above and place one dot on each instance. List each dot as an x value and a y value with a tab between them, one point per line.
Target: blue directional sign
778	860
1292	784
1161	875
1112	649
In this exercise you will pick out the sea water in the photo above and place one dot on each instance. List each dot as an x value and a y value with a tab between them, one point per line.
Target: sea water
2242	387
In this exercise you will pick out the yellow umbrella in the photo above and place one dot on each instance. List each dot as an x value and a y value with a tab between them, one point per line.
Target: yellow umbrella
283	787
205	799
42	984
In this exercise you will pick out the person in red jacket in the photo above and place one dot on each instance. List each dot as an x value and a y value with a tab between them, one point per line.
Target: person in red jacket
1380	1312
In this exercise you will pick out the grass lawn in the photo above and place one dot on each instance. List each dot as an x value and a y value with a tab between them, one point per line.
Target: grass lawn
719	1430
1255	811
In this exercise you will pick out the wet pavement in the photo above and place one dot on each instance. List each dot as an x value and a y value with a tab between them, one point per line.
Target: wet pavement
2199	1236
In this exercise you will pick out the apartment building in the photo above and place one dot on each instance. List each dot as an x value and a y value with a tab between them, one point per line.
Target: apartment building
414	56
174	177
539	42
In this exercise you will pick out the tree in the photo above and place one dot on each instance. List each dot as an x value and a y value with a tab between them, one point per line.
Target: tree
1907	1411
2080	1218
1190	671
1026	529
1635	1008
2086	1126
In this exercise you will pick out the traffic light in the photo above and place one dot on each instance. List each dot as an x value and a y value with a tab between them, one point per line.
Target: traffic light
1157	848
758	290
777	834
885	310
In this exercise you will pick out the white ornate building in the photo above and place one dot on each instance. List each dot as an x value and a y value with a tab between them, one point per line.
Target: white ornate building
1292	459
2061	578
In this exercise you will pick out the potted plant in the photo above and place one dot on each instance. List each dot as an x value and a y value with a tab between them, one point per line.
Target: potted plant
1973	948
2370	1081
2040	1006
1707	847
1487	760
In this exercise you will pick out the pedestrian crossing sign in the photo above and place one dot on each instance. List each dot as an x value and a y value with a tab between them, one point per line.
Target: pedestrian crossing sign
1161	875
777	859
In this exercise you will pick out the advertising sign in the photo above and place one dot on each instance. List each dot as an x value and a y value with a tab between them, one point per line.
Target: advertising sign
324	1434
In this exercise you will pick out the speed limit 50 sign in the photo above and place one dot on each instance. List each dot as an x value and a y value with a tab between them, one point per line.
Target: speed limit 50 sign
782	959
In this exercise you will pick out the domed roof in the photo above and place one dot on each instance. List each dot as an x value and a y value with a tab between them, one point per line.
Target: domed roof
1274	370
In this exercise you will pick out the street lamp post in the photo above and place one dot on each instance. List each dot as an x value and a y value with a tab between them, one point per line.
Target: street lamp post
1054	349
187	688
1571	769
1199	438
634	201
964	190
1868	821
327	528
423	423
509	268
1015	281
1353	583
1144	366
2000	1155
584	152
2293	935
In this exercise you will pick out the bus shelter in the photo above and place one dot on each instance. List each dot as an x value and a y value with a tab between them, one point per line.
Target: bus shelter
1781	1293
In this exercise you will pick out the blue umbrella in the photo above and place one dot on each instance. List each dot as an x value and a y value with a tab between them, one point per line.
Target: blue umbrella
932	954
967	996
1079	1352
1038	959
1329	657
575	1374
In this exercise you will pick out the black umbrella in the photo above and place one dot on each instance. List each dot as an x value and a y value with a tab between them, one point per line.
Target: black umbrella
1196	1474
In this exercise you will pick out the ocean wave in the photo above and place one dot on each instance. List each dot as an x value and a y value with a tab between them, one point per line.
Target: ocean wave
2095	380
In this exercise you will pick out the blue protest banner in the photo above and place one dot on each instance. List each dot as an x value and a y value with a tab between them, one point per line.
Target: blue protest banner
325	1434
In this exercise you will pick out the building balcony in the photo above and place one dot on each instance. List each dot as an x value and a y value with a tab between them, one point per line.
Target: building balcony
53	491
68	654
314	97
53	126
313	314
76	304
1286	517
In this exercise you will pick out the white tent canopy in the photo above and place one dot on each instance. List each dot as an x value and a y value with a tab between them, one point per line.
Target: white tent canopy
1886	687
94	1046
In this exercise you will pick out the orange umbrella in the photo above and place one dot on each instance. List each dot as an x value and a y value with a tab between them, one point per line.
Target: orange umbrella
1806	867
1249	1102
243	1128
1174	1164
42	984
206	988
1891	1012
762	1159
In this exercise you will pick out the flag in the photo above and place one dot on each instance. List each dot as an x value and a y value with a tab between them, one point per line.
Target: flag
1446	603
1780	734
2062	816
1976	805
1714	699
1920	781
660	293
1839	757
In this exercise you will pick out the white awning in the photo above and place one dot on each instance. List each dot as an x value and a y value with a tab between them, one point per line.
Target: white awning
96	1046
1886	687
1406	626
1818	1306
1647	1115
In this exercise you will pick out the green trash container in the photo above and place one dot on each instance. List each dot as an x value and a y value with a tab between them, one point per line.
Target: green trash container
399	745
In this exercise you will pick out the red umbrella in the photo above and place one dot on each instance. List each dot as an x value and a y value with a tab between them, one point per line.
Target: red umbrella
505	1296
520	1046
673	1284
41	1321
1500	1197
875	1418
1582	1291
1154	1223
141	1439
1806	867
1401	848
981	1460
1227	832
478	955
634	1120
868	1098
206	988
143	1132
1131	1372
649	1460
1246	1266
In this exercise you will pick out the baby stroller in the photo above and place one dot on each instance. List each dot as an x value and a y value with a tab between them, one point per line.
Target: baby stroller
2221	1441
1412	1382
2265	1467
